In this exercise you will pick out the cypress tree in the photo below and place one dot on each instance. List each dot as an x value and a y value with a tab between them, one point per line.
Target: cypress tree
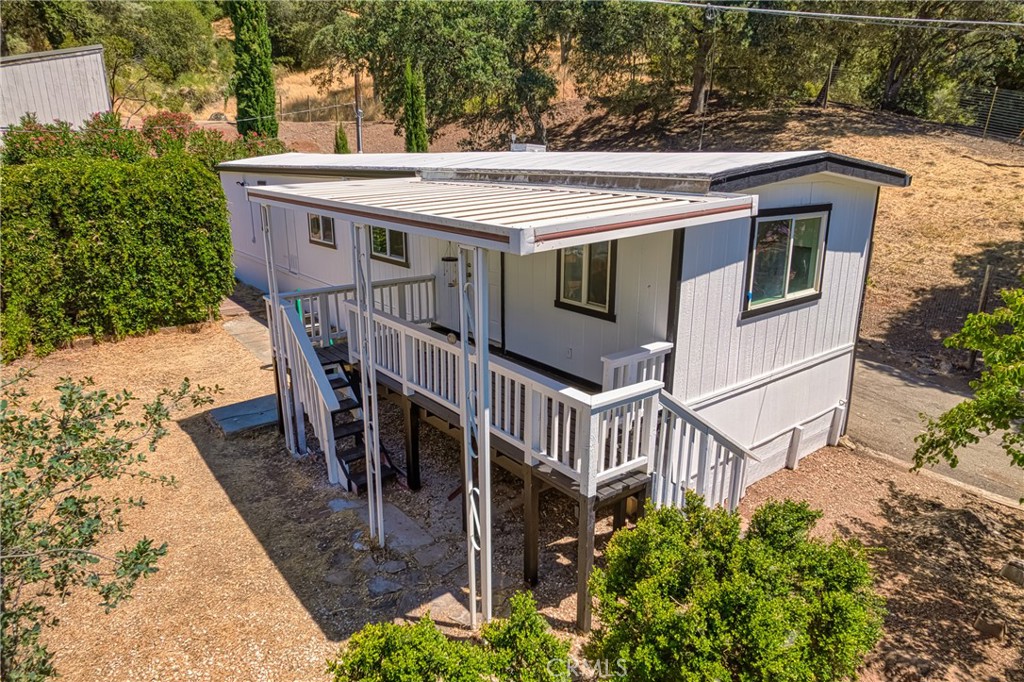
414	114
341	140
254	76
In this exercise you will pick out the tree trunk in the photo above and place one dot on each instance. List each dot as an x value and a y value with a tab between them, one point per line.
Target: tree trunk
701	66
893	84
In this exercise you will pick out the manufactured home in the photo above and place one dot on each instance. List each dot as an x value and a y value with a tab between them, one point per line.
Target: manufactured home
608	325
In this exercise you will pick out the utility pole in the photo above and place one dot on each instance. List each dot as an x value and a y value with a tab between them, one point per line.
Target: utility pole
359	115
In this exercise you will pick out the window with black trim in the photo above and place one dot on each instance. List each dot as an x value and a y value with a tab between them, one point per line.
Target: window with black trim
786	257
389	246
321	230
586	279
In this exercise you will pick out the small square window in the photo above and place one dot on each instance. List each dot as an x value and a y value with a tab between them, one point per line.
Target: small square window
786	258
586	279
389	246
321	230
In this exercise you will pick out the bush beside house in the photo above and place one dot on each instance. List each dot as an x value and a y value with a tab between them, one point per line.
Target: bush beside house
102	247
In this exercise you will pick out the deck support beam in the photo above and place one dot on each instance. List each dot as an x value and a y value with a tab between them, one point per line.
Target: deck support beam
411	417
531	532
366	347
475	405
585	560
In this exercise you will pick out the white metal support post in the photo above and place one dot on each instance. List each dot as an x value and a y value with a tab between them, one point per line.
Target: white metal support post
476	422
277	344
365	343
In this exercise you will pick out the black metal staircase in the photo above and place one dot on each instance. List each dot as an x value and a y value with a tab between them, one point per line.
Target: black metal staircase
350	446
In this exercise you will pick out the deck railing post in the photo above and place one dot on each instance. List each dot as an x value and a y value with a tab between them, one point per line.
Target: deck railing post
651	417
590	439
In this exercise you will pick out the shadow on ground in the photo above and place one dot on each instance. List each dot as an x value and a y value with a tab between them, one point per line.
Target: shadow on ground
318	539
938	312
929	556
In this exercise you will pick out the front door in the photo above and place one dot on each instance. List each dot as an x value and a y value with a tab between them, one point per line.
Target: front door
447	284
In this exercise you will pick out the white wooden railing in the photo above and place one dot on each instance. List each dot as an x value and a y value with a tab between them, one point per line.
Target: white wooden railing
691	454
635	365
408	298
312	395
589	438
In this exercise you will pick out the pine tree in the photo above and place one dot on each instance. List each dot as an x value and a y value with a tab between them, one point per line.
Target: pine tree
341	140
414	113
254	77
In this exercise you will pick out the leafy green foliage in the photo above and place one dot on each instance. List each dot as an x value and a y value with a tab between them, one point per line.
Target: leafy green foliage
102	247
686	596
998	401
414	113
386	652
54	456
253	83
104	136
522	646
341	140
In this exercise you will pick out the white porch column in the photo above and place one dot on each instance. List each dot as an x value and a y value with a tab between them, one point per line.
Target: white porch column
365	342
277	344
476	420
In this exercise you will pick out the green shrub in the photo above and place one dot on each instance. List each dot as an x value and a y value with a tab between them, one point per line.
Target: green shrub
31	140
167	131
104	137
686	596
103	247
523	647
520	648
385	652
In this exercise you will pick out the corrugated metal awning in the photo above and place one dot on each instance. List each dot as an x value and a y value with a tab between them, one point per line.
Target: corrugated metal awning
515	218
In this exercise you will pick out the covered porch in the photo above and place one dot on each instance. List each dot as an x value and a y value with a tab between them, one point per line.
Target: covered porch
340	349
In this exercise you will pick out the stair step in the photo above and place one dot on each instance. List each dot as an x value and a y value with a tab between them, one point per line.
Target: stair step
358	479
340	381
346	405
348	429
350	456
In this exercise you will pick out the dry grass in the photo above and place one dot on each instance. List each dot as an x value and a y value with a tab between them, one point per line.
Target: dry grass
937	552
262	581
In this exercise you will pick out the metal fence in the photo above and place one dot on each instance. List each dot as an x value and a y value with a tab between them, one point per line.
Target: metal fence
993	112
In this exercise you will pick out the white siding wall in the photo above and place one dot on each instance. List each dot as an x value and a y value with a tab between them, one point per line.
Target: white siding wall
66	86
574	342
758	377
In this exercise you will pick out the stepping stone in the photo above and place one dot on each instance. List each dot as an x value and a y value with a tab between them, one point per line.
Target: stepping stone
342	504
428	556
394	566
247	415
1014	571
380	586
401	532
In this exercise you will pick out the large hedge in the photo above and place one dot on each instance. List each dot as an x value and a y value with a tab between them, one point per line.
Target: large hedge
686	596
109	248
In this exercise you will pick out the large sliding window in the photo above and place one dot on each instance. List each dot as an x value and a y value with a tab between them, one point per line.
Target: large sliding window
586	279
786	258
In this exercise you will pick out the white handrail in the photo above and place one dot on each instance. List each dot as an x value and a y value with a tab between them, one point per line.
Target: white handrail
312	387
635	365
692	454
589	438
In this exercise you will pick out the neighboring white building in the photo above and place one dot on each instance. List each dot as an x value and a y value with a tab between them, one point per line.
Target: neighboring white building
69	85
735	280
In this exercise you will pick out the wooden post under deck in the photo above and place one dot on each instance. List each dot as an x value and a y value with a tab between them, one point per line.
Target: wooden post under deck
585	561
411	417
531	522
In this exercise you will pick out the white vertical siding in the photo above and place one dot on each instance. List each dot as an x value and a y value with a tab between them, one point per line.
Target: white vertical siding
575	342
741	372
67	86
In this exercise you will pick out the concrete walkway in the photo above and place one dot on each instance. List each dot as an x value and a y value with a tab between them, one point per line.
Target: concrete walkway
884	413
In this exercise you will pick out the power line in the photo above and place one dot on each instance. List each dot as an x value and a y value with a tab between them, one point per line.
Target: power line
910	22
